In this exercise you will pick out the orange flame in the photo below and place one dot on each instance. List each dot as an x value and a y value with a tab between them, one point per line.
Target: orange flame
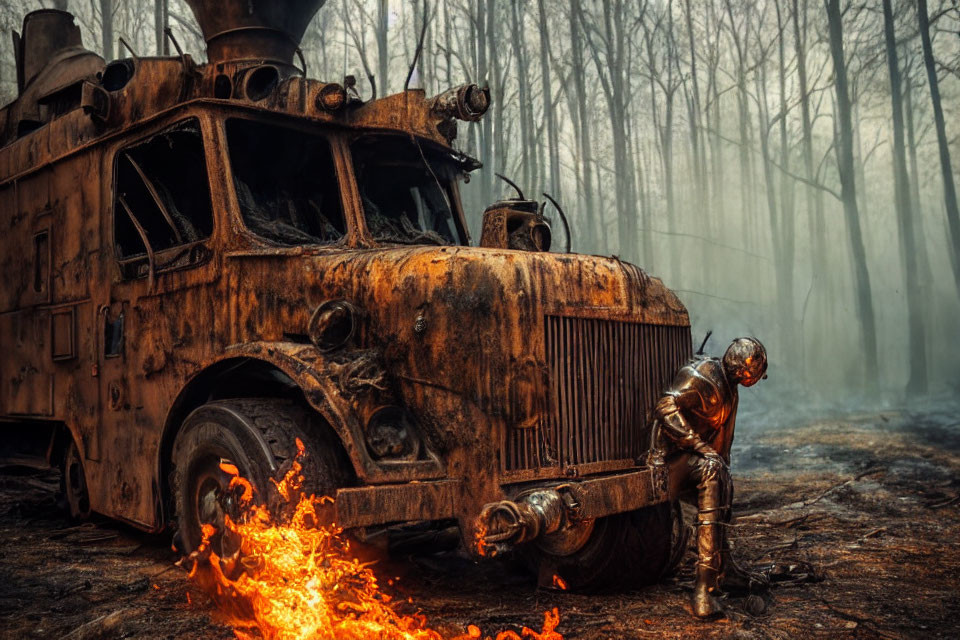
559	583
296	579
479	535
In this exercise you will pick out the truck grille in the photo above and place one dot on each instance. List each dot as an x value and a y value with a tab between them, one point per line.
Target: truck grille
603	378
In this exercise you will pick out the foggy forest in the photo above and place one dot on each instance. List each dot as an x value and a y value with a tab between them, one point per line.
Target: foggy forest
340	436
786	166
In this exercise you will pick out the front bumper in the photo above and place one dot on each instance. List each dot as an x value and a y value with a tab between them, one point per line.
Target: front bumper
588	498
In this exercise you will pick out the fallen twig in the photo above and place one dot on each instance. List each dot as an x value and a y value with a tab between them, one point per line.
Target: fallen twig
90	539
849	481
103	627
846	615
945	503
876	531
63	533
791	522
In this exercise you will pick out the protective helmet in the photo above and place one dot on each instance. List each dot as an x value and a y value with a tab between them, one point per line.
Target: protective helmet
745	361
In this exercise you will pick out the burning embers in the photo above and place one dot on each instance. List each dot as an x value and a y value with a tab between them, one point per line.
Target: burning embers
291	577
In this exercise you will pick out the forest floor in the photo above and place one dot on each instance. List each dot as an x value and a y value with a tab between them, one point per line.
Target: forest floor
859	517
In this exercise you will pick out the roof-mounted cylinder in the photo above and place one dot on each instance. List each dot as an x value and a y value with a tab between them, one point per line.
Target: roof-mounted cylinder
265	30
48	34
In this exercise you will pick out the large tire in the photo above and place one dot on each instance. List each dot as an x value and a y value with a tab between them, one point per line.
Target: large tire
74	497
258	436
624	550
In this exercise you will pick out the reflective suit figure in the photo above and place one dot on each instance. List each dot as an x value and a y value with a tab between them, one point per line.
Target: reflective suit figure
694	422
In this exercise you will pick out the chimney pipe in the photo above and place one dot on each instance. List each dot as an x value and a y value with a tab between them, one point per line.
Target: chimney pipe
263	30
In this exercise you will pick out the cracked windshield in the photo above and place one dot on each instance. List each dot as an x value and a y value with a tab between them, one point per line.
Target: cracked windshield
286	183
404	187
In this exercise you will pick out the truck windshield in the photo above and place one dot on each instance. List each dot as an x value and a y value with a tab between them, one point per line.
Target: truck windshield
404	187
286	183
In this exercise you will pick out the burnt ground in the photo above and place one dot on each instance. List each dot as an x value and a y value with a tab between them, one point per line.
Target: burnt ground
859	518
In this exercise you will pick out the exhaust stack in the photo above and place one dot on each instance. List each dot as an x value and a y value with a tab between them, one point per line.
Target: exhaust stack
254	30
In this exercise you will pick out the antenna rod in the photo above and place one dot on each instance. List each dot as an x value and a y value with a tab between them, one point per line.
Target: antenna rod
512	184
416	55
566	225
704	343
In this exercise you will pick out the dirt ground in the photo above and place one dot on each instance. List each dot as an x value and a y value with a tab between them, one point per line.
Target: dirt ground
858	517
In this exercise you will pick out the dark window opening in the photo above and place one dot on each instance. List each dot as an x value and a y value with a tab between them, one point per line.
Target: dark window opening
286	183
162	197
404	187
112	335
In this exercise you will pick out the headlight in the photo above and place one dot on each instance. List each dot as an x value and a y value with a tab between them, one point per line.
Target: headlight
332	325
391	435
331	97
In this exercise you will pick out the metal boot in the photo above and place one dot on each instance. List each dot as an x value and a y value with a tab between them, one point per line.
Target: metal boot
704	600
711	511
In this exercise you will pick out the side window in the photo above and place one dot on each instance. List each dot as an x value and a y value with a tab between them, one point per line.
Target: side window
286	183
162	201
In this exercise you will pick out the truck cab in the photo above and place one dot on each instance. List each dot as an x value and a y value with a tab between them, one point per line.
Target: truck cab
232	265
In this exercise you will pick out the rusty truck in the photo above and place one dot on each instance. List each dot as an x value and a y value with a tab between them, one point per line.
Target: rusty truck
207	262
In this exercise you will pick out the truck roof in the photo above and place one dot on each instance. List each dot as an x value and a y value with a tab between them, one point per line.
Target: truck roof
149	87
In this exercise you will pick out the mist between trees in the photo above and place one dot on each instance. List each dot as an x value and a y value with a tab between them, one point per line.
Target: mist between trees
784	165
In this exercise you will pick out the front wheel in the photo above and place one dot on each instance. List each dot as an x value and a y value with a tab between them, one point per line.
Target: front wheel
624	550
258	437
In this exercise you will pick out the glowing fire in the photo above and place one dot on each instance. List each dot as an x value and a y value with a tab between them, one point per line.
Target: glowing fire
479	540
293	578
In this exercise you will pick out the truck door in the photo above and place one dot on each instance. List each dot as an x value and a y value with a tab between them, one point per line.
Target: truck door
27	388
161	225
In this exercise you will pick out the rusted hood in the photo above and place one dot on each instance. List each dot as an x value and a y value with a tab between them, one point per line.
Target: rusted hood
466	323
512	288
472	320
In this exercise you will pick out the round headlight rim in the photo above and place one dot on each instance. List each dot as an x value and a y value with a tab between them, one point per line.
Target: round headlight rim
398	416
320	335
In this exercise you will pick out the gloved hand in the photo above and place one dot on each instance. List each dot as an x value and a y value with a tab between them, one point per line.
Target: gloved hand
709	454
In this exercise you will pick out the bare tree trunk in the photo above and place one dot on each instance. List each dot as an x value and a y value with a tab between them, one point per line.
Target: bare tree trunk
383	58
160	22
719	191
923	257
448	52
864	295
746	170
949	188
358	33
647	213
696	143
106	23
498	153
718	194
660	72
520	58
583	115
787	245
481	22
918	354
814	197
552	143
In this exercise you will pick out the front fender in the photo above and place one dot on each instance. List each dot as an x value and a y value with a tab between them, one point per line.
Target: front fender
314	373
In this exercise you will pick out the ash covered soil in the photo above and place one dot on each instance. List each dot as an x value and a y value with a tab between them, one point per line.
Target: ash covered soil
859	518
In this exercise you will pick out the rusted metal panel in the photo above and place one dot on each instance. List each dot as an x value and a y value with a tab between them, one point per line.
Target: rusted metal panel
365	506
27	382
599	497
